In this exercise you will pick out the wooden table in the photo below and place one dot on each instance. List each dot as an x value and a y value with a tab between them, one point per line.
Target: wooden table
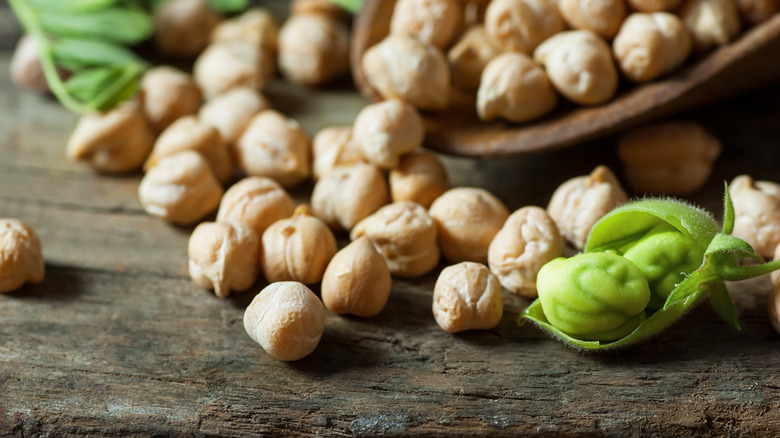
117	341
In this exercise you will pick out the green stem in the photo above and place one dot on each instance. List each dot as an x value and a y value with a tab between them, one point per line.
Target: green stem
737	273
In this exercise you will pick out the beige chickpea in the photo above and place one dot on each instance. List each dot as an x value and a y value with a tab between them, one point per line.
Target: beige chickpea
286	319
580	66
182	27
255	201
674	158
756	11
168	94
650	45
577	204
188	133
21	260
180	188
320	7
756	213
349	194
404	68
231	64
521	25
469	56
527	241
357	281
405	235
232	111
420	177
26	69
113	141
313	49
257	27
431	21
712	23
600	16
224	256
333	147
467	220
387	130
297	249
467	296
515	88
654	5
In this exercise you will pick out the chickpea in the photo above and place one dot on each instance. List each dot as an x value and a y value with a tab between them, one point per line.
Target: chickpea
313	49
521	25
674	158
26	70
650	45
420	177
712	23
580	66
232	111
114	141
467	296
180	188
467	220
298	248
577	204
387	130
357	281
168	94
756	11
431	21
256	27
274	146
182	27
653	5
404	68
224	256
333	147
469	56
255	201
527	241
286	319
320	7
515	88
405	235
349	194
600	16
232	64
21	260
756	213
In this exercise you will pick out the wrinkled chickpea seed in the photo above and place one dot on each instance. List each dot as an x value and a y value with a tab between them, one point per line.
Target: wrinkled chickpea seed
21	260
467	296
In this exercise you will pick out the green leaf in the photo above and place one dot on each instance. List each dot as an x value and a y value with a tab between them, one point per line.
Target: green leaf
103	87
350	5
78	6
721	301
728	244
76	54
225	6
122	25
728	211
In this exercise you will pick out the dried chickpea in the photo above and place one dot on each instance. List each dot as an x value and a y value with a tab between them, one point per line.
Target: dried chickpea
650	45
528	240
320	7
26	70
349	194
224	256
467	296
255	201
313	49
515	88
113	141
521	25
387	130
405	235
333	147
756	213
274	146
231	111
21	260
231	64
577	204
182	27
357	281
712	23
168	94
297	249
467	220
600	16
180	188
673	158
653	5
469	56
256	27
580	66
286	319
756	11
420	177
431	21
404	68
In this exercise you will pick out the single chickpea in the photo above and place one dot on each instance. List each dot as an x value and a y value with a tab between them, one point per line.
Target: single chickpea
320	7
114	141
521	25
313	49
433	22
469	56
467	220
755	12
580	66
650	45
349	194
712	23
756	213
527	241
167	95
188	133
515	88
387	130
232	111
420	177
357	281
231	64
286	319
577	204
404	68
255	201
182	27
674	158
180	188
333	147
274	146
600	16
405	235
653	5
467	296
224	256
256	27
26	70
21	260
297	249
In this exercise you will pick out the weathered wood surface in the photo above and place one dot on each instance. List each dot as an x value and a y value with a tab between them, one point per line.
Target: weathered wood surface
117	341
